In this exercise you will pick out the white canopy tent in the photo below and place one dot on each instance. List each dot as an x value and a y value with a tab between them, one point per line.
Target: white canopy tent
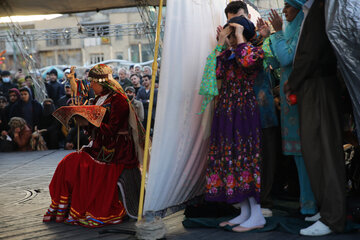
180	141
33	7
179	149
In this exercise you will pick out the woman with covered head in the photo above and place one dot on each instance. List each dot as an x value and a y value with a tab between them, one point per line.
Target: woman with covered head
89	177
49	126
233	173
20	132
27	108
283	45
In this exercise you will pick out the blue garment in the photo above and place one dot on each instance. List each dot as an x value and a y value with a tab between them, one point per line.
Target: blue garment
283	45
262	88
307	198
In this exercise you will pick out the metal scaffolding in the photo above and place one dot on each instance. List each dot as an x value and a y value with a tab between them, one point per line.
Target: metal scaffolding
148	17
23	43
80	32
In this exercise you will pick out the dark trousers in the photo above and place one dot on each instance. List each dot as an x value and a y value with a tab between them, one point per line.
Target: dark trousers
269	156
321	142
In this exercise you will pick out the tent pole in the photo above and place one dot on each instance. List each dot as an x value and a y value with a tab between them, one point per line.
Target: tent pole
148	124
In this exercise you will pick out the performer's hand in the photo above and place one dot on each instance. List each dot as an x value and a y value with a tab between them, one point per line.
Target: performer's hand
263	28
81	121
275	20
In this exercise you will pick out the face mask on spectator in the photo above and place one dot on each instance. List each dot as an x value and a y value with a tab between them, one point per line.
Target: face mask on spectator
6	79
130	97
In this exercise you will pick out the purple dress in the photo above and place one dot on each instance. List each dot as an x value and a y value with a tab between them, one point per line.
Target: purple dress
233	172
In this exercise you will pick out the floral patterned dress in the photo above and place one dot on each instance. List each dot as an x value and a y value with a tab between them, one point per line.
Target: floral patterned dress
233	172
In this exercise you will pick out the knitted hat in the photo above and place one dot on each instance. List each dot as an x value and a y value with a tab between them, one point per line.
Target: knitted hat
129	88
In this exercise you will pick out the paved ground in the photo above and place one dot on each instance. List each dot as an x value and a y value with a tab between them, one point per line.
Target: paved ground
24	198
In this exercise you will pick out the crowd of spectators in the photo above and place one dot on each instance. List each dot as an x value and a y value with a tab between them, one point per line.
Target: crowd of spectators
26	124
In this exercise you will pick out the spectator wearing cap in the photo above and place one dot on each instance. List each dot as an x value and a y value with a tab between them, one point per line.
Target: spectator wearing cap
138	106
135	79
63	100
144	96
123	80
27	108
6	84
55	90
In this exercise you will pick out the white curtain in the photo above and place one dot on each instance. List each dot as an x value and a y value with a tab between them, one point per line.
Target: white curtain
180	143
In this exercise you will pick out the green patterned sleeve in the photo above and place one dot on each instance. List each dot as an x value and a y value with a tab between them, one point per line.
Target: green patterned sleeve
269	58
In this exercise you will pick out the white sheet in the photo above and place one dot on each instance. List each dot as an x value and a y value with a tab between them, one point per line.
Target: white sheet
180	143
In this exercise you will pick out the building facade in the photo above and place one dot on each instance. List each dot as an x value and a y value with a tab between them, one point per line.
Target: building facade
81	39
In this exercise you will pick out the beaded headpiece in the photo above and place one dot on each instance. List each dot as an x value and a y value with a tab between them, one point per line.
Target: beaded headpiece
100	73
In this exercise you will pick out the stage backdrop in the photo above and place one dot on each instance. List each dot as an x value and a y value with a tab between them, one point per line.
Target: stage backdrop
180	142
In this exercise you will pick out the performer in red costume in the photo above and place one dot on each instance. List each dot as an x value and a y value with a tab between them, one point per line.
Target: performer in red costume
84	186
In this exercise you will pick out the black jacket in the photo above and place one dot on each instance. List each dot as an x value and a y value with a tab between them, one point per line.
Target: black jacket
55	90
5	87
144	96
37	112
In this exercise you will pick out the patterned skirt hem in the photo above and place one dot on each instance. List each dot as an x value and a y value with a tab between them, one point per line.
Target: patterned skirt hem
236	199
64	213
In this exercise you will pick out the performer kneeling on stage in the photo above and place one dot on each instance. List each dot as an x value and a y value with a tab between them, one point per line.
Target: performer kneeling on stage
84	186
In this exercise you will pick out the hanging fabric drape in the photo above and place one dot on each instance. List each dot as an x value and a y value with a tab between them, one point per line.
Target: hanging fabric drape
180	143
343	29
149	117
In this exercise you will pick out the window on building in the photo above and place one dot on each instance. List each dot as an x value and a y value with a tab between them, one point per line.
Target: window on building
96	57
2	45
102	31
58	42
69	57
146	50
50	61
58	38
97	30
118	33
120	55
146	53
